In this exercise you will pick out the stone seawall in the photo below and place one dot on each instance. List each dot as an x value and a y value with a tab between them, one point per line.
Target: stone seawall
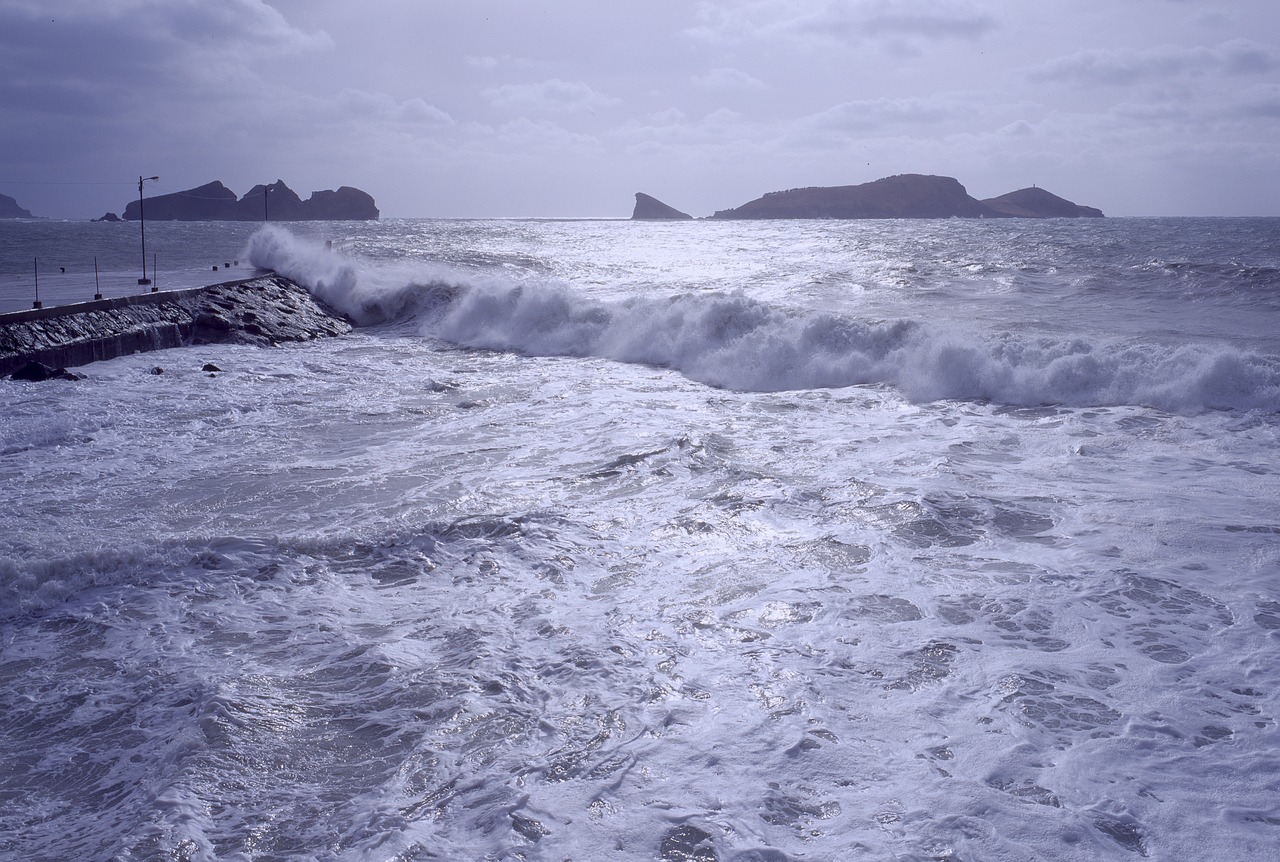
266	310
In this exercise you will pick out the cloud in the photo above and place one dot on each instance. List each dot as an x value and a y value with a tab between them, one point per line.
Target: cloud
728	79
382	107
1259	102
1017	129
1121	68
845	21
140	50
924	19
882	114
554	95
533	139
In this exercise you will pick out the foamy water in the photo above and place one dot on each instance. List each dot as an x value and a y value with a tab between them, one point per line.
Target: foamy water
602	540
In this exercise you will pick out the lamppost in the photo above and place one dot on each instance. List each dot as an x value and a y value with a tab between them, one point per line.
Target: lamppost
142	222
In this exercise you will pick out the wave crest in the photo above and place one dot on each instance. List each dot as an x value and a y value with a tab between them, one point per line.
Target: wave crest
735	342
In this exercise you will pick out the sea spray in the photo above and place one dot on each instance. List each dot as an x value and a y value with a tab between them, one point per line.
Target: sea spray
735	342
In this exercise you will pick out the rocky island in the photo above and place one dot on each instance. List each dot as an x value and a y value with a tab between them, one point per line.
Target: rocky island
9	208
901	196
651	209
274	202
1038	203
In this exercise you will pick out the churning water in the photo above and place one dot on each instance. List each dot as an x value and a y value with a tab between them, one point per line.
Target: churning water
939	540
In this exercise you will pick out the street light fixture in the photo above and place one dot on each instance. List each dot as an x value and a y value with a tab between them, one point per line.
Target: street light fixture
142	222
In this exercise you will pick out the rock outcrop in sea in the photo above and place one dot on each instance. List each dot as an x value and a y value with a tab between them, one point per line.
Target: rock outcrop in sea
651	209
901	196
9	208
272	202
265	311
1038	203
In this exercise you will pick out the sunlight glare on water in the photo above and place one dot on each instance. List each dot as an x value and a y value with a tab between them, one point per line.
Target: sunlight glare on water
684	542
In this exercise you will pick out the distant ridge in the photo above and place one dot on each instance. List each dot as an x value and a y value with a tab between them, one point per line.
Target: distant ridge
901	196
274	202
650	208
9	208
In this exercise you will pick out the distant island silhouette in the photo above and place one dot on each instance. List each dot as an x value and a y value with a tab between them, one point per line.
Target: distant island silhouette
900	196
275	202
9	208
651	208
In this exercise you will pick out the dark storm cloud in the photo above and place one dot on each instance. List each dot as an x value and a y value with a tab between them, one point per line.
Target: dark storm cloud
102	57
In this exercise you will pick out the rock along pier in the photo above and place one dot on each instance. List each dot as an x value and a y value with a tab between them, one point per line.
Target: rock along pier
266	310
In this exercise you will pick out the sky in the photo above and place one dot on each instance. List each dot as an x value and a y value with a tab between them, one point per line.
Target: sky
566	108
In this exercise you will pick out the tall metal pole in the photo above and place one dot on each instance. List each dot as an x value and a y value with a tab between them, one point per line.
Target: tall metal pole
265	190
37	303
142	222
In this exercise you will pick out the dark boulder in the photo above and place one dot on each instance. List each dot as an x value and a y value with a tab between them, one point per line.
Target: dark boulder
38	372
33	372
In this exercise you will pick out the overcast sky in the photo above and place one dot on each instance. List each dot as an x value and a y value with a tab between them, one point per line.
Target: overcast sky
566	108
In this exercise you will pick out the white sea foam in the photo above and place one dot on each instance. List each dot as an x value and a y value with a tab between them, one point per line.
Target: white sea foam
379	597
736	342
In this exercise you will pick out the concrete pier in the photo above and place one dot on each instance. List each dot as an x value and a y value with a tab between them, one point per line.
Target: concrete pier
265	310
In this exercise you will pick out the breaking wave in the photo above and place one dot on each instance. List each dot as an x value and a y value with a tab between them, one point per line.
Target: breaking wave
732	341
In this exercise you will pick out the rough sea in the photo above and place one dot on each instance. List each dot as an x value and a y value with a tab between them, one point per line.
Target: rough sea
602	540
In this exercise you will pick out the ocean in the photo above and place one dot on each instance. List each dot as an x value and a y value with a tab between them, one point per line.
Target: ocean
609	540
